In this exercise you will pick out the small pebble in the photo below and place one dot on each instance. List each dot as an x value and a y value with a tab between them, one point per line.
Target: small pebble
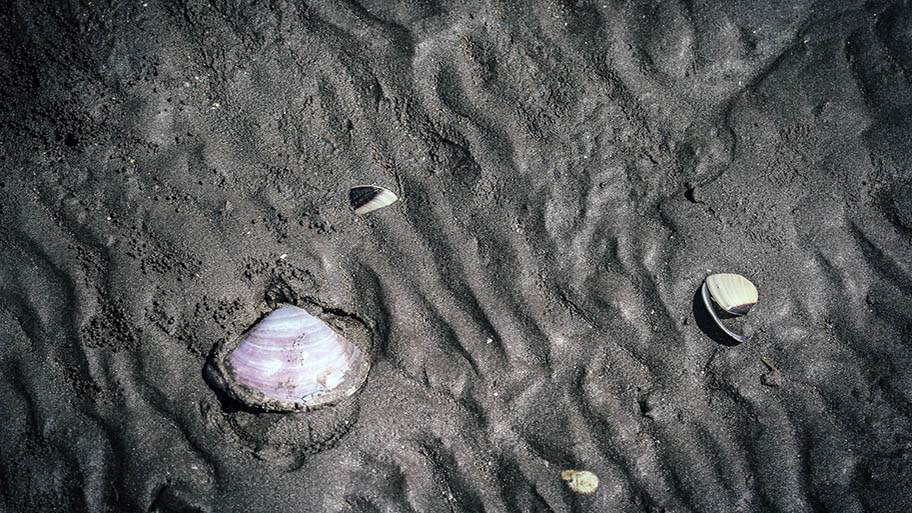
580	481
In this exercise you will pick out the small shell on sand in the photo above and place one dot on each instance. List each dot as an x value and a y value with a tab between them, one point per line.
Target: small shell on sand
734	294
580	481
367	198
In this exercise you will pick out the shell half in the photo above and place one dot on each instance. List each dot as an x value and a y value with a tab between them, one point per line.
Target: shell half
367	198
733	293
290	361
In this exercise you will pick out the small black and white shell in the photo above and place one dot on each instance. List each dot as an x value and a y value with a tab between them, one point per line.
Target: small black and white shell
367	198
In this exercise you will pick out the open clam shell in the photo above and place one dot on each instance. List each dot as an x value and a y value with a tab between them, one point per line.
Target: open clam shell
367	198
290	361
733	293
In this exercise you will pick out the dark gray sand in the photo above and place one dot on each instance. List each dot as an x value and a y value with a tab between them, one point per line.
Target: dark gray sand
569	174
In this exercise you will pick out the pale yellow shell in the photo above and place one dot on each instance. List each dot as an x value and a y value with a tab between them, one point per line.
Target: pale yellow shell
580	481
732	292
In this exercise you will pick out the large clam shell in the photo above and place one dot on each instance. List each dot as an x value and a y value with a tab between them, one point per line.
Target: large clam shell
290	361
733	293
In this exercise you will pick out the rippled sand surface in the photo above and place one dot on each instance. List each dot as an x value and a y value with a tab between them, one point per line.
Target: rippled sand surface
568	174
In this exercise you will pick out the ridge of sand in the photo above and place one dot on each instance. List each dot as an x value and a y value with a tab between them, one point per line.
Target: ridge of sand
569	172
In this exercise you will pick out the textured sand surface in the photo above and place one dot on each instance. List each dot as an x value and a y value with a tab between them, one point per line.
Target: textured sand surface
569	172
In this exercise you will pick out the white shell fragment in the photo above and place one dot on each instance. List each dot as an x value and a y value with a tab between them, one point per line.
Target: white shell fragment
580	481
367	198
733	293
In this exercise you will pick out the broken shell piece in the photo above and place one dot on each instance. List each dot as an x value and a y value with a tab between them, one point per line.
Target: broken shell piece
580	481
733	293
367	198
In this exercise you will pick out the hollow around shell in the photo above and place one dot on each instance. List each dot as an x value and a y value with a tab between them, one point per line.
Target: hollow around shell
289	361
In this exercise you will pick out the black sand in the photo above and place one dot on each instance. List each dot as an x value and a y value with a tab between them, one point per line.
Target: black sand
569	174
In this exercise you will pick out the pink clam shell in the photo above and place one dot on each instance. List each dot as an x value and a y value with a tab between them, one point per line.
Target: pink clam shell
291	361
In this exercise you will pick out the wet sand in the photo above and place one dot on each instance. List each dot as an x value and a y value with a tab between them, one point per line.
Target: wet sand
568	174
